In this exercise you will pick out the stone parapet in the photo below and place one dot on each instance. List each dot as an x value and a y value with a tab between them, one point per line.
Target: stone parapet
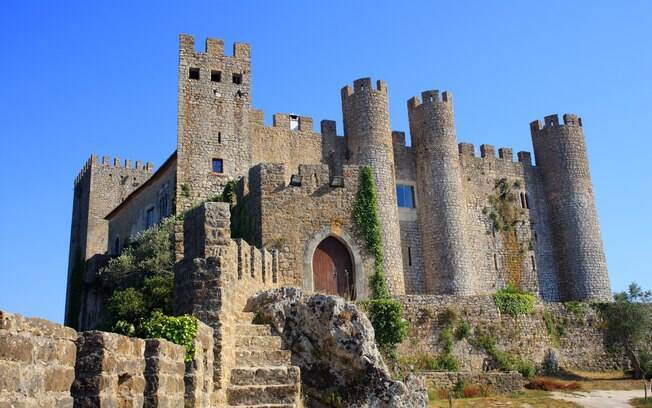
37	362
500	383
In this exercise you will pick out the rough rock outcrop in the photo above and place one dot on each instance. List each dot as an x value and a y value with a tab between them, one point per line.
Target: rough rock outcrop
333	343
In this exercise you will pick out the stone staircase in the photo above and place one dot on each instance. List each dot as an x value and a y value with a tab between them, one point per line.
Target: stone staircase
263	376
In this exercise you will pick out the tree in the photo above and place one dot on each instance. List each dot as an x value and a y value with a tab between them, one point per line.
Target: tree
629	323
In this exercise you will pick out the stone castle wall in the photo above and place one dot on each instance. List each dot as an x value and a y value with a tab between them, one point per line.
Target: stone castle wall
521	256
581	346
48	365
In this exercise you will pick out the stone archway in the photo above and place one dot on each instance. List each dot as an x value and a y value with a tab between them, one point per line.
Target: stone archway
360	277
332	269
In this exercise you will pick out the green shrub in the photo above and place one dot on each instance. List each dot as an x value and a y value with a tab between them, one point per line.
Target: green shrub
503	359
446	362
386	317
463	330
575	307
446	339
127	305
179	330
514	302
386	314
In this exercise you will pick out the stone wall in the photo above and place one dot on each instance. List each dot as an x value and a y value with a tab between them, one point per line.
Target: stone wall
281	144
501	383
214	280
48	365
522	255
580	345
295	219
37	362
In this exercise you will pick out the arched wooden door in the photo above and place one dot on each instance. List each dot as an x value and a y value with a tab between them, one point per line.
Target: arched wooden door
332	269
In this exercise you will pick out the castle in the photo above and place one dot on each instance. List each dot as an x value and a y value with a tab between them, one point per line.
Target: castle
451	222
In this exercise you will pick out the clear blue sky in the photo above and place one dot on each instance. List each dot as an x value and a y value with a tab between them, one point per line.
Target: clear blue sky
89	76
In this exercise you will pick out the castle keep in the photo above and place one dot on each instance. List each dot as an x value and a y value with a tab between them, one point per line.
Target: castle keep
452	222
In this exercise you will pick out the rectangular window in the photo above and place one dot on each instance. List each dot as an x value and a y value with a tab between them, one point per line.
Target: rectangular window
218	166
163	206
237	79
405	195
216	76
409	256
193	73
149	218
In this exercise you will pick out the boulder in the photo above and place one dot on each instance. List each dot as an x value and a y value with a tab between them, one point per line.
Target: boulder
333	343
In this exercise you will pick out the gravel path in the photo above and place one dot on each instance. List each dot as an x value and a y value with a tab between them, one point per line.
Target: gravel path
600	399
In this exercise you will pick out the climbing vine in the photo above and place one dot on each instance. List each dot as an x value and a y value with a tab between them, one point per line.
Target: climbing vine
385	313
505	215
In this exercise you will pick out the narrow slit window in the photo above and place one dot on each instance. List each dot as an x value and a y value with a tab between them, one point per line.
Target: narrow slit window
116	246
534	265
216	76
522	200
237	79
193	73
218	166
409	256
219	137
527	201
495	262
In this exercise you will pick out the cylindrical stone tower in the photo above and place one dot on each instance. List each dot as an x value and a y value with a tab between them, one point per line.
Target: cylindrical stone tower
561	158
441	209
369	142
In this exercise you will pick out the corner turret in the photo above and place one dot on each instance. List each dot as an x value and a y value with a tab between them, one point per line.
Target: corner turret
560	153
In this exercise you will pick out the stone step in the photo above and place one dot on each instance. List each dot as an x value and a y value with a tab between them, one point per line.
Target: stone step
253	330
258	342
258	358
257	395
265	375
244	317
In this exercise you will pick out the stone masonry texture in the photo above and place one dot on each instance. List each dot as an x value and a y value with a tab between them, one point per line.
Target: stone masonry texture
445	244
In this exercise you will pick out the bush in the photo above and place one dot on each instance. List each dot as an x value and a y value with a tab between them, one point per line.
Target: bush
463	330
514	302
386	317
446	362
127	305
179	330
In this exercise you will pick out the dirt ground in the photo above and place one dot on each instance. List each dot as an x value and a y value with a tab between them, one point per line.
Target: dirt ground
590	390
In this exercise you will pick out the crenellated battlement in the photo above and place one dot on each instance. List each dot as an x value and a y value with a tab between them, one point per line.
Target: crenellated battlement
116	163
552	121
364	85
430	97
489	152
398	138
213	47
292	122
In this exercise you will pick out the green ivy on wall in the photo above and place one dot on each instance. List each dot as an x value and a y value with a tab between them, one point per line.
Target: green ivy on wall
385	313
